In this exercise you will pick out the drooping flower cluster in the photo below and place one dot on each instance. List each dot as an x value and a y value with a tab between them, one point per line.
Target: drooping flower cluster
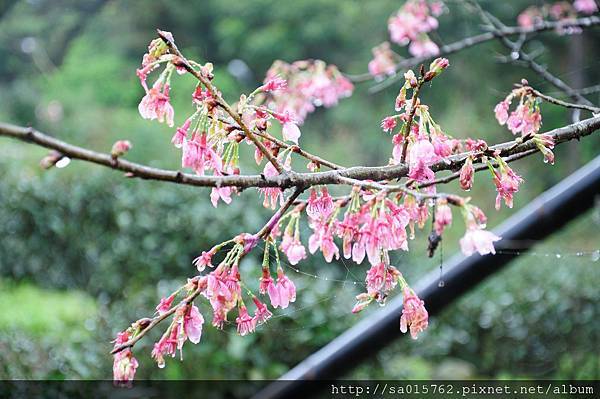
310	84
526	118
384	61
420	139
561	11
210	137
124	364
411	24
476	238
507	182
414	315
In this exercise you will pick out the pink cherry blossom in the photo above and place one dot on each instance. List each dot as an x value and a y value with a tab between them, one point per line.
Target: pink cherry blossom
422	155
156	105
322	238
283	292
412	23
443	217
262	313
501	111
423	48
467	173
272	195
348	230
167	345
586	6
291	132
478	240
245	323
383	61
192	324
442	145
319	206
388	124
309	84
181	134
524	120
293	248
274	83
266	281
165	304
199	155
423	150
414	315
507	183
203	260
381	278
221	193
545	143
124	364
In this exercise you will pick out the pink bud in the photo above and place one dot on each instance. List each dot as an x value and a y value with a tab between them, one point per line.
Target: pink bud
119	148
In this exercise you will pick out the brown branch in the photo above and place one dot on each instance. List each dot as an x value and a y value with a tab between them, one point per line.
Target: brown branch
411	116
291	179
154	322
220	101
311	157
475	40
556	101
495	24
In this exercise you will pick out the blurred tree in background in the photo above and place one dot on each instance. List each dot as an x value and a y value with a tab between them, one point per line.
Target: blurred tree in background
85	251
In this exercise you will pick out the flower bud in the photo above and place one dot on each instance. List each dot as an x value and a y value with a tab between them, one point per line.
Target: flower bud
435	68
119	148
411	79
466	175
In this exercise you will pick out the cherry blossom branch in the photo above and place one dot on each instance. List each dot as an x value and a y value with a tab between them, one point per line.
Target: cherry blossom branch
495	24
151	323
411	117
220	101
291	179
475	40
148	324
295	148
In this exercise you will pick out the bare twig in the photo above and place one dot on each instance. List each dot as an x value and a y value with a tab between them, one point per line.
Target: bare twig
411	116
521	57
475	40
537	93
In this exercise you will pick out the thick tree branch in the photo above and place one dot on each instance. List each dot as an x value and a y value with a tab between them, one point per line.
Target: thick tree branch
291	179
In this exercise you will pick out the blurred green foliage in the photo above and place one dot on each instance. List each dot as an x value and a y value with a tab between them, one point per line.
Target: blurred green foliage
83	251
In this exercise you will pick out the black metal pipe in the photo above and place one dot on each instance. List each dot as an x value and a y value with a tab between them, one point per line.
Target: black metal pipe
540	218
